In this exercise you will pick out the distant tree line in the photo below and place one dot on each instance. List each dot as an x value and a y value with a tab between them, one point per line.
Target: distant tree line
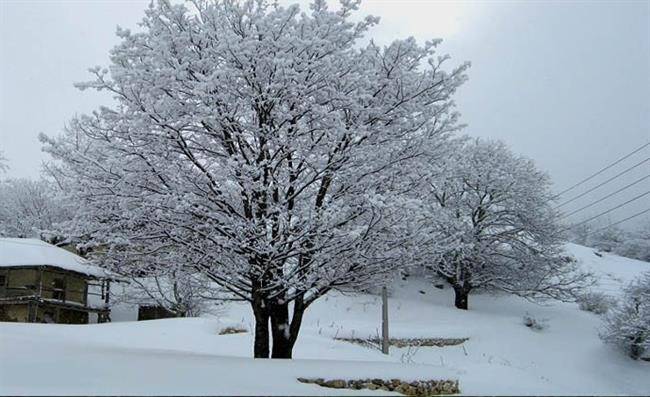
633	244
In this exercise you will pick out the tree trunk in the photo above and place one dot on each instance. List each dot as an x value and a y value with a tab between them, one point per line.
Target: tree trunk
636	349
282	346
285	333
461	297
261	343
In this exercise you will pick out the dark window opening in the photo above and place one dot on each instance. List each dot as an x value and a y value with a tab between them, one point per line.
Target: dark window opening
59	289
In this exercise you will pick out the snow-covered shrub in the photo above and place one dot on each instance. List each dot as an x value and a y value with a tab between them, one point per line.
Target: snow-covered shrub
535	323
628	324
595	302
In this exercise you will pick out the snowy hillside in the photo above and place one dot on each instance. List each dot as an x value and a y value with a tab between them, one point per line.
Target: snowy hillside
188	356
612	271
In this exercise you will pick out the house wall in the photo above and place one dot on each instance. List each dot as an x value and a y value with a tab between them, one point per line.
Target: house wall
50	284
3	281
52	314
15	313
25	282
21	282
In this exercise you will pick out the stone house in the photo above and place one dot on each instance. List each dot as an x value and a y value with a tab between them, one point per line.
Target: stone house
42	283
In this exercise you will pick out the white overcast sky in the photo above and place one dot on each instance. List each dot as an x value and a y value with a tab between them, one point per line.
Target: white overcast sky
565	83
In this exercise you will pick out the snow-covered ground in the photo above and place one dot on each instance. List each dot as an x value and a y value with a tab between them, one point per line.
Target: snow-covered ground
188	356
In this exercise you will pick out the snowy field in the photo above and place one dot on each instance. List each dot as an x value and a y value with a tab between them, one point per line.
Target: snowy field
188	356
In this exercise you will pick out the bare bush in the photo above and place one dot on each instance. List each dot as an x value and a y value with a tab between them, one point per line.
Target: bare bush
595	302
535	324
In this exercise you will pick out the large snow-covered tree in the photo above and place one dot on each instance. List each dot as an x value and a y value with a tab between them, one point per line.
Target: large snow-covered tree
264	146
31	208
494	212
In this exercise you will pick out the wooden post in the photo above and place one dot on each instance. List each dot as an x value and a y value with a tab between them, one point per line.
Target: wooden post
40	281
107	301
32	308
108	292
384	320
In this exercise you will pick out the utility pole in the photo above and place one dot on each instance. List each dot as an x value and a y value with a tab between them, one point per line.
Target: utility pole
384	320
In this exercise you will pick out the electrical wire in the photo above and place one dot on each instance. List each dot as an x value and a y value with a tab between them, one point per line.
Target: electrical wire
612	209
619	222
602	170
606	197
604	183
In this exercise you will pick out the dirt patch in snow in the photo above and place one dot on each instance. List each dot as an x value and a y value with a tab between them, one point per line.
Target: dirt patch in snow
232	330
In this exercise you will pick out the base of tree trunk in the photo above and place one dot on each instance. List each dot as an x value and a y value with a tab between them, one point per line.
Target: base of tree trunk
281	352
261	344
461	300
280	331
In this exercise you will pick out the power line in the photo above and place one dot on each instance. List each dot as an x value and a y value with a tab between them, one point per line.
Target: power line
604	183
612	209
602	170
608	196
619	222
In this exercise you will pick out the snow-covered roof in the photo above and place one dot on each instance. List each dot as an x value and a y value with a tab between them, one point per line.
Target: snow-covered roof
33	252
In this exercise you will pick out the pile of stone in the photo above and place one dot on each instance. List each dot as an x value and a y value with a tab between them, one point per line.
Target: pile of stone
415	388
406	342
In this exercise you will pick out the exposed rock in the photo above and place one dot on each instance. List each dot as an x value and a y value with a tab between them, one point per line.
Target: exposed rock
419	388
406	342
335	384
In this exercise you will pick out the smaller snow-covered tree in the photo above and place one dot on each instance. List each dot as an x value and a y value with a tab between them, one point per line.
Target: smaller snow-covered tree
636	244
628	325
494	211
180	293
607	239
579	234
30	208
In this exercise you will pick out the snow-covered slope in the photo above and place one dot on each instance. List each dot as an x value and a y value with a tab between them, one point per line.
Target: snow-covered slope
188	356
612	271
